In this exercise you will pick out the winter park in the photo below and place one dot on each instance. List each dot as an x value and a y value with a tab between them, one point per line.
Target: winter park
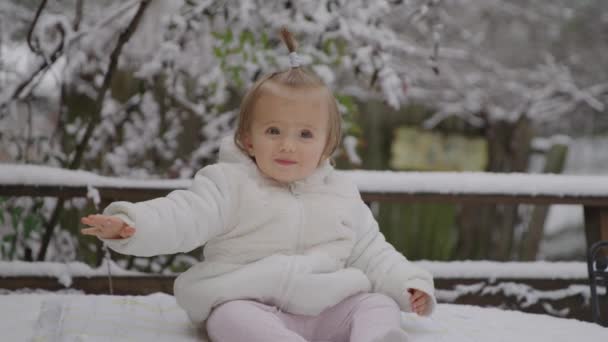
299	170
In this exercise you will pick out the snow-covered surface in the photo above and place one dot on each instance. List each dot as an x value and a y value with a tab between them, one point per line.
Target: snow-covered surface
18	174
451	269
487	271
74	317
480	183
493	270
64	272
564	217
370	181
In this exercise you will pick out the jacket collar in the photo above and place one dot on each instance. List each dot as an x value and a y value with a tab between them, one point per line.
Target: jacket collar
230	153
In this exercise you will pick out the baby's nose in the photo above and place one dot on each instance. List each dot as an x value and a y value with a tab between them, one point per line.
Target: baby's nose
287	144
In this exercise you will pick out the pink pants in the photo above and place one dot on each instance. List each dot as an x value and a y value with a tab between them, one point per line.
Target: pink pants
364	317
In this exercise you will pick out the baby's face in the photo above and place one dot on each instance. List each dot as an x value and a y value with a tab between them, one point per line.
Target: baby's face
288	133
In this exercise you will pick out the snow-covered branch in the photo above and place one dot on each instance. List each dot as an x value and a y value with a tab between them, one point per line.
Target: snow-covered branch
191	60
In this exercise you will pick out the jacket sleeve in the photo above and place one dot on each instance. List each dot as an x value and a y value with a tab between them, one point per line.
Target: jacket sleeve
388	270
179	222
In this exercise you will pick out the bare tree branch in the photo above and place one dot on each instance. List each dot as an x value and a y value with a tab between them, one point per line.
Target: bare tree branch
122	40
78	14
95	118
35	49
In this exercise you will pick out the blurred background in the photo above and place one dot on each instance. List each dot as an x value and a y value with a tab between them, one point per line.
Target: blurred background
145	89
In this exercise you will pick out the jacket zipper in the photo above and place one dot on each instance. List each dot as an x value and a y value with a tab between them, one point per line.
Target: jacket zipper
299	225
296	250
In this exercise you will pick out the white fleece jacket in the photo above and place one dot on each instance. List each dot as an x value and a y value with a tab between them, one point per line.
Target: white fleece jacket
302	247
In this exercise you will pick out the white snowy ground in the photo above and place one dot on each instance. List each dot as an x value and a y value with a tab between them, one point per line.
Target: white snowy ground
73	316
89	318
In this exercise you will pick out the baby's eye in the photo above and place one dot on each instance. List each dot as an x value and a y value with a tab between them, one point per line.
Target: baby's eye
272	131
306	134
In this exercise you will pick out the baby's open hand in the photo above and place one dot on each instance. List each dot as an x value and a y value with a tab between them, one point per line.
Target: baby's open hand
418	301
106	227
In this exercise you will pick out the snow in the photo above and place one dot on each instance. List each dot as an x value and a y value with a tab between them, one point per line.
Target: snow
525	294
19	56
21	174
480	183
76	317
494	270
452	269
367	181
562	217
62	271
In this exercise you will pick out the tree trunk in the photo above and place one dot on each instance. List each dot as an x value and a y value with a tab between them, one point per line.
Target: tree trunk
487	231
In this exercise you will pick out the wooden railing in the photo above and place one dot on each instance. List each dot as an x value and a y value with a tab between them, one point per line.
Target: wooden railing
590	192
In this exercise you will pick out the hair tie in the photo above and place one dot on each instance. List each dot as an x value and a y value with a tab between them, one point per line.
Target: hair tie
294	59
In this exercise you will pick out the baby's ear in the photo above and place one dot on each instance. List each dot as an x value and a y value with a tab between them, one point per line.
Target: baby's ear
246	141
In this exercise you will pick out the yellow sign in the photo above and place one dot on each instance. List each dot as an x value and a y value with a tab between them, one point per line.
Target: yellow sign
415	149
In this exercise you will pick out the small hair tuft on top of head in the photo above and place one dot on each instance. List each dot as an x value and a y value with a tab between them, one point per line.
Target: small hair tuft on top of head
288	39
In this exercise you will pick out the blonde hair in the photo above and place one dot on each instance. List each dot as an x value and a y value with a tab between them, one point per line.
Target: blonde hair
295	78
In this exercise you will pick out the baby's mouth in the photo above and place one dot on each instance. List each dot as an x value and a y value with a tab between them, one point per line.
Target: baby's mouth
285	162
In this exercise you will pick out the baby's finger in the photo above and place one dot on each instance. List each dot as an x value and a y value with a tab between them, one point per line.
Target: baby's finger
101	219
86	220
91	231
419	300
419	307
92	220
414	297
417	295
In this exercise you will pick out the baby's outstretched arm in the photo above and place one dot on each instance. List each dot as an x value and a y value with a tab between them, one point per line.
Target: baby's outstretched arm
177	223
106	227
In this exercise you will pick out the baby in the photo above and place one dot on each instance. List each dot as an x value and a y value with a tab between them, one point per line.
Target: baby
291	252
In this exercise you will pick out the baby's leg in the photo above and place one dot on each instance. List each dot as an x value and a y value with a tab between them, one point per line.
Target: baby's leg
377	318
371	317
245	320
